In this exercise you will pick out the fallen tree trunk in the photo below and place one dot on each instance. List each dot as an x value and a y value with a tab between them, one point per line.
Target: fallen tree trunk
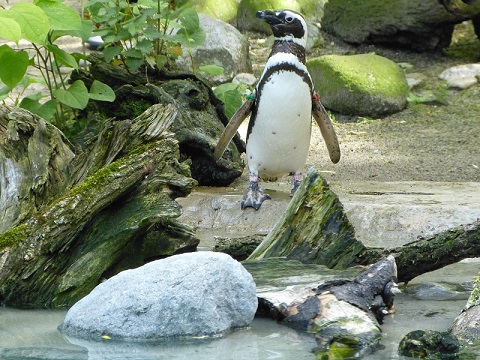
425	255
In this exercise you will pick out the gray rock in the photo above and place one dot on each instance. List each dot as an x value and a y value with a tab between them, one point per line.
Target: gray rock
245	78
421	25
224	46
195	294
432	291
461	76
415	79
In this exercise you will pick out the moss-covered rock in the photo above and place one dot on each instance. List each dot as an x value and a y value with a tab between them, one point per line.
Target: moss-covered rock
365	84
465	325
225	10
429	344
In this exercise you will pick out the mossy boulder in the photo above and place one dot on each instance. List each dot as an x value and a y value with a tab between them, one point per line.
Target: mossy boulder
225	10
365	84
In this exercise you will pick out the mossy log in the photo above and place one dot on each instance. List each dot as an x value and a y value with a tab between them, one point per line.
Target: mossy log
343	309
35	162
313	229
119	214
435	252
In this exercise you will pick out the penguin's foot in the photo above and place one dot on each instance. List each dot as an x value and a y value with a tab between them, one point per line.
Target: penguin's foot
254	197
297	180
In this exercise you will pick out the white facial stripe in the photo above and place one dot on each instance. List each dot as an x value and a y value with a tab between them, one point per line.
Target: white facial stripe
302	41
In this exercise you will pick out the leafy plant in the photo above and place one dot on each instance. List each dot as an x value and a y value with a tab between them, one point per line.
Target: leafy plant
232	96
41	24
149	32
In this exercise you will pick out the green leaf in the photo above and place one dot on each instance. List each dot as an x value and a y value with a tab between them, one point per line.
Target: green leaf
111	51
161	61
62	57
212	69
83	34
13	65
60	16
102	92
9	28
189	19
32	20
191	39
76	96
231	96
45	111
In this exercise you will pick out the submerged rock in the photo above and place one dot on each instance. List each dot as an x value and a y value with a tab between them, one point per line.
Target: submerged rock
466	325
365	84
429	344
461	76
196	294
342	309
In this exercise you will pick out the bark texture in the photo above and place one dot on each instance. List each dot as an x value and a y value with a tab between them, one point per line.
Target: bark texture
117	212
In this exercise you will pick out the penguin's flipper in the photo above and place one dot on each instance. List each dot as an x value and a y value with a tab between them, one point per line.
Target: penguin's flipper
327	130
232	127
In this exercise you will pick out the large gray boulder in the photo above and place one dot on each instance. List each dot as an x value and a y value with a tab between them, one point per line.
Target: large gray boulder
193	294
224	46
422	25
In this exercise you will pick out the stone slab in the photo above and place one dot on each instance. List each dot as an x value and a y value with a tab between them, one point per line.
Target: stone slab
386	214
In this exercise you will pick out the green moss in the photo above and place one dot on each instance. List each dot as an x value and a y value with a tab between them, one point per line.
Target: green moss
225	10
14	236
362	73
474	298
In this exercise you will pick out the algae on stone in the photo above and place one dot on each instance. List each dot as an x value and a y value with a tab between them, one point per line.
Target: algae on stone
365	84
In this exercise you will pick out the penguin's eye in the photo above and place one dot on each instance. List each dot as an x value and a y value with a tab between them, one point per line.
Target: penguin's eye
289	19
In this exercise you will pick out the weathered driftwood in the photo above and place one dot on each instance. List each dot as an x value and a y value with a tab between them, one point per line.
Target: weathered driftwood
35	161
197	127
429	254
315	229
343	309
119	214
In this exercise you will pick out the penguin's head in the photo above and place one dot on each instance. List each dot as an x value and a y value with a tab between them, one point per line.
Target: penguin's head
286	25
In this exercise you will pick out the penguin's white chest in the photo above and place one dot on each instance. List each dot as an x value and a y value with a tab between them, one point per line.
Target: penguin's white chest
280	137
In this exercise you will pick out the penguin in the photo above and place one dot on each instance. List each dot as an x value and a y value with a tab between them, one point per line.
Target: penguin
280	108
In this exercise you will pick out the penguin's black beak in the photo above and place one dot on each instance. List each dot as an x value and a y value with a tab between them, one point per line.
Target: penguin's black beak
269	17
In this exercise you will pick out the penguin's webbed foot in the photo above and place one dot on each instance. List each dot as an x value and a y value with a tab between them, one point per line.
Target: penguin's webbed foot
254	197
